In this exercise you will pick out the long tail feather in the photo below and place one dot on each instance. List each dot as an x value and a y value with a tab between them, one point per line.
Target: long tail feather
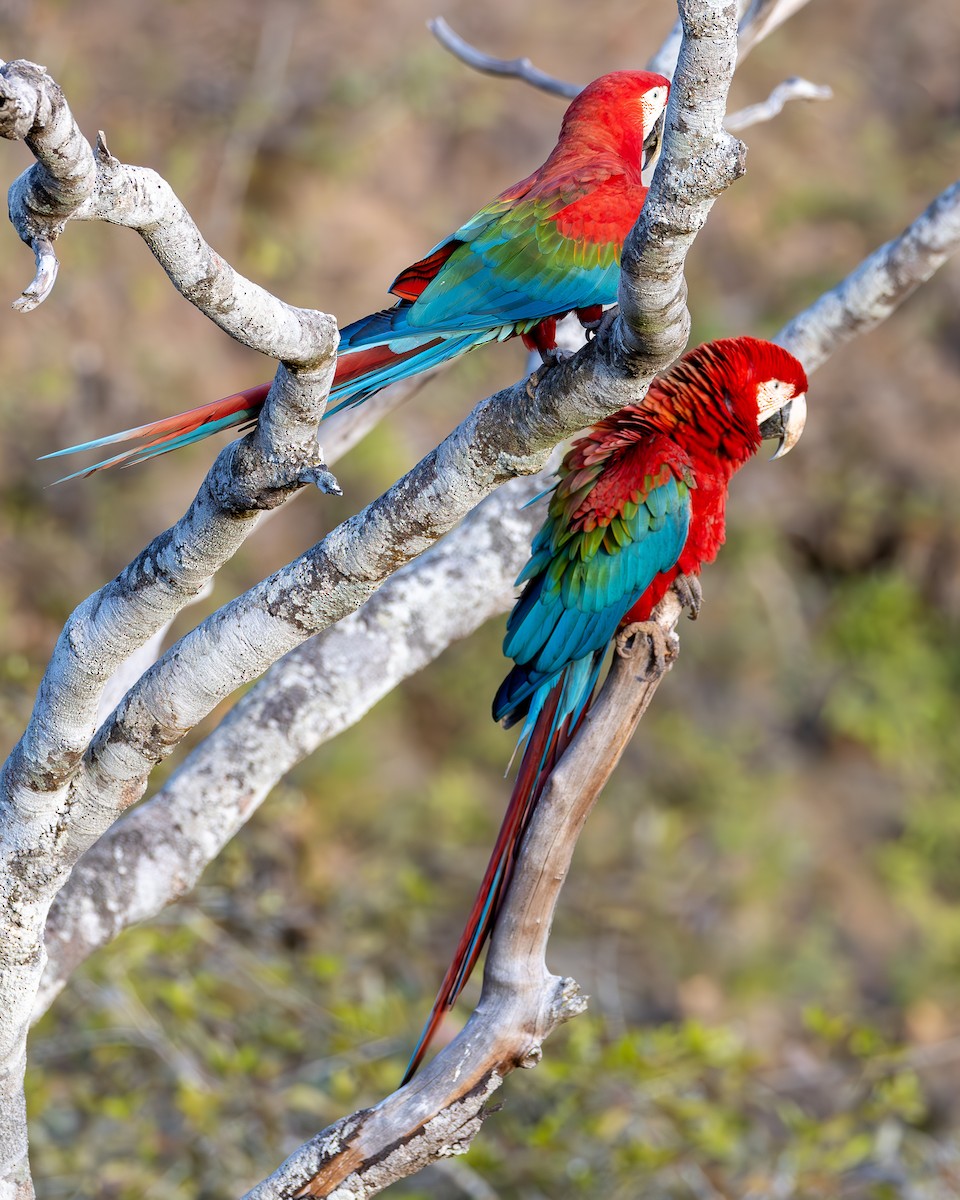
171	433
364	366
558	717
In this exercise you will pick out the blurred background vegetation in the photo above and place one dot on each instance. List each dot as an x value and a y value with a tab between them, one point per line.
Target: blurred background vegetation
765	908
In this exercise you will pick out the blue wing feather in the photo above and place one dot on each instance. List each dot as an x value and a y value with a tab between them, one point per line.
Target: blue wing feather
571	605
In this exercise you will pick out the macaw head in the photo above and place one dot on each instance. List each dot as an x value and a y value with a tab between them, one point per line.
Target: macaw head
781	391
624	110
723	398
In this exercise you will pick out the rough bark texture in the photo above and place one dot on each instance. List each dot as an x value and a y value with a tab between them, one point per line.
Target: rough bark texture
440	1111
328	684
67	780
308	697
72	774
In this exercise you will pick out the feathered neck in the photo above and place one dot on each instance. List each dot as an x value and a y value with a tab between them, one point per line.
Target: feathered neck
605	121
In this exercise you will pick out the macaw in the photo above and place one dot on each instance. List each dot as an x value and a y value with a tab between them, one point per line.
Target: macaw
545	247
638	505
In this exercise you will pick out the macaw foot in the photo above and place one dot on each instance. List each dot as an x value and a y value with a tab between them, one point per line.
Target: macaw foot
555	354
644	642
604	322
550	357
689	593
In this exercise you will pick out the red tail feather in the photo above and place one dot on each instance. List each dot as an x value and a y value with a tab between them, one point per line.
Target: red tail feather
187	422
539	757
354	364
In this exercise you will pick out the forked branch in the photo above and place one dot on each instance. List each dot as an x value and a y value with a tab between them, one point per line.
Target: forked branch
66	781
181	823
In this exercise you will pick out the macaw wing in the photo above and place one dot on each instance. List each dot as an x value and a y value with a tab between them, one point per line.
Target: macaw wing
510	265
580	585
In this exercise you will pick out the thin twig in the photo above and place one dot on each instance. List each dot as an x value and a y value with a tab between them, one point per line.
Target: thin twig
514	68
793	88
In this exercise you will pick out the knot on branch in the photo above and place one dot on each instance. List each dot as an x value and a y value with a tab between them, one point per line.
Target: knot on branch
23	87
243	480
530	1058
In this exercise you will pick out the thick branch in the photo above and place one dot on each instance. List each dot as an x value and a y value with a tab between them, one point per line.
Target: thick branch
353	1144
698	162
312	694
59	803
94	907
505	436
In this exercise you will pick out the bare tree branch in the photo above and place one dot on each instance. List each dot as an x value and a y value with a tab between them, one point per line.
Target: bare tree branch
441	1110
95	905
793	88
60	795
881	283
60	801
308	697
699	161
514	68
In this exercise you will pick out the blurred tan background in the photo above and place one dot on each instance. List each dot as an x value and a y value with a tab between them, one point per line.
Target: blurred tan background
766	906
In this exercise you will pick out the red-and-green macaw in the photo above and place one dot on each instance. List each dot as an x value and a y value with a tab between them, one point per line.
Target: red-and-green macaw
548	246
639	503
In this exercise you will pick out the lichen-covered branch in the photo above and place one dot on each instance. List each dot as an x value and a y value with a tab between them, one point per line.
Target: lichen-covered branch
408	1129
698	162
61	789
507	435
308	697
879	285
95	905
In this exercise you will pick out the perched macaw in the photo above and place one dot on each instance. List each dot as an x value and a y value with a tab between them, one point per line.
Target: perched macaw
639	504
545	247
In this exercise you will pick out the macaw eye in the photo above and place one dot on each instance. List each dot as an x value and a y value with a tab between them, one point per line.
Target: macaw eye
651	104
773	394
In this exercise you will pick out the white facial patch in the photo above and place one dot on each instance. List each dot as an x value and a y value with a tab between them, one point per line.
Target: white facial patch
652	104
771	395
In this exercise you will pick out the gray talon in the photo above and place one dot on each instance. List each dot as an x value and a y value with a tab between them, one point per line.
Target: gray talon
689	593
644	638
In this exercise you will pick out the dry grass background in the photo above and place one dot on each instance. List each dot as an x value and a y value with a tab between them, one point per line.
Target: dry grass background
766	906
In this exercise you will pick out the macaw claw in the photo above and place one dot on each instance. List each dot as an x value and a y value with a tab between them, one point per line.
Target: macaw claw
644	639
689	593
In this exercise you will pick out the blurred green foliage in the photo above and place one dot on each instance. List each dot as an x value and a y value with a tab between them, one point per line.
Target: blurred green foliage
765	906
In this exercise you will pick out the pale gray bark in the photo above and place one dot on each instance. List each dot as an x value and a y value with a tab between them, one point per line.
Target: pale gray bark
66	781
97	903
157	852
61	794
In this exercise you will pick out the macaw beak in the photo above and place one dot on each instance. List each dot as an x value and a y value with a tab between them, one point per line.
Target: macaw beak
653	141
786	424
